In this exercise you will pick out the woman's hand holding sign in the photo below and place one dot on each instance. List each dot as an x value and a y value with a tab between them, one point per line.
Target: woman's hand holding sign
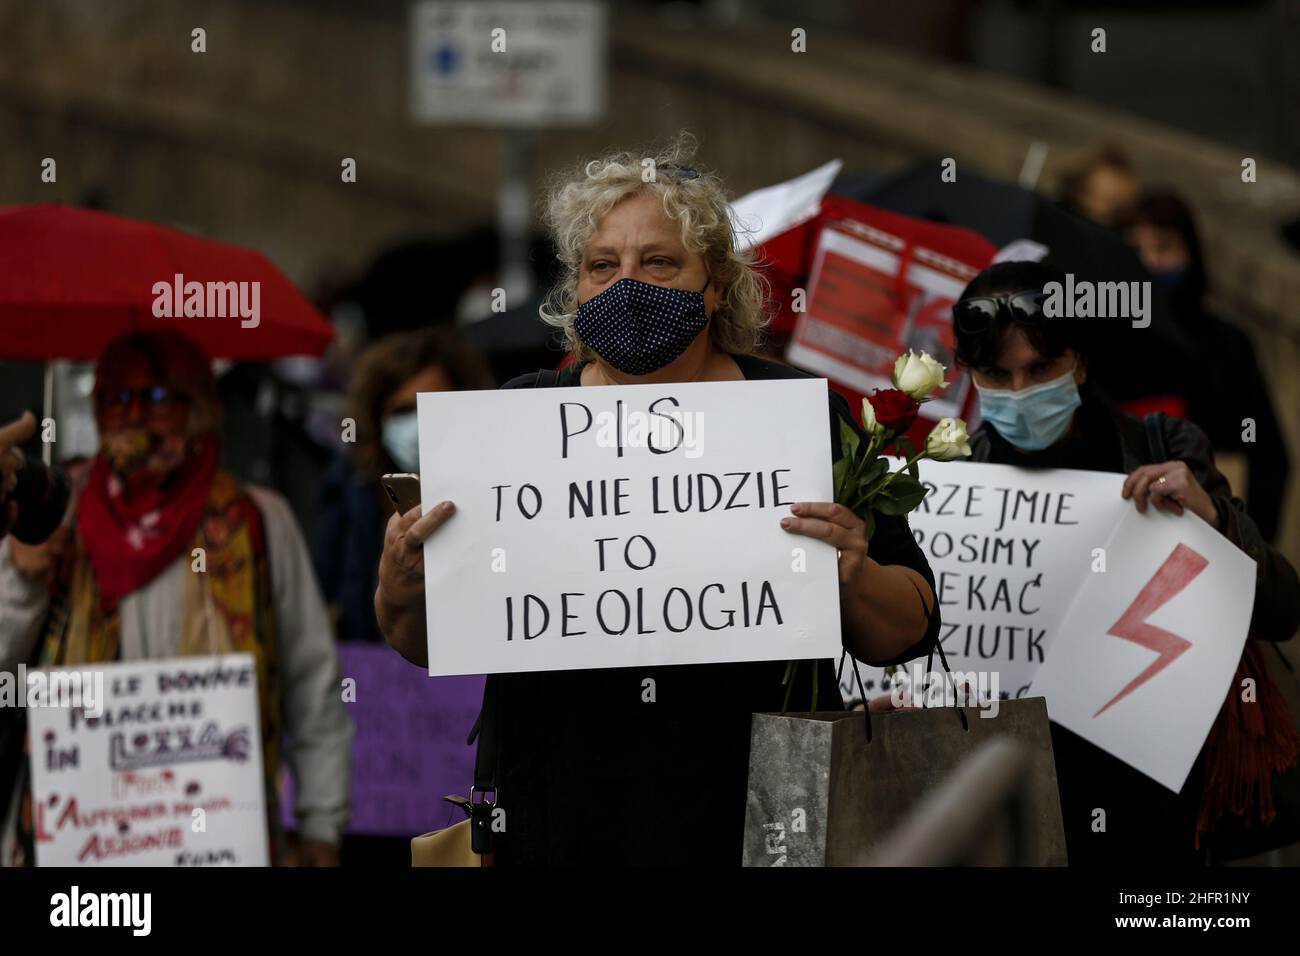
881	616
837	525
1170	487
883	606
399	599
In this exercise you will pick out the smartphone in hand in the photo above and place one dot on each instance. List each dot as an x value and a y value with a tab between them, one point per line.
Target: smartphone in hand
403	491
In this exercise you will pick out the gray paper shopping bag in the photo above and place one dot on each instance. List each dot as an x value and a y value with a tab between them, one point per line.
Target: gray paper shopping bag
822	794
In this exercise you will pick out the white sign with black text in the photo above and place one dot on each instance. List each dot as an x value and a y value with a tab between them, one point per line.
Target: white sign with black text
626	525
1008	548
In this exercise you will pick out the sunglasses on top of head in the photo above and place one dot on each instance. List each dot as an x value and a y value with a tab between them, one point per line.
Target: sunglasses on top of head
977	313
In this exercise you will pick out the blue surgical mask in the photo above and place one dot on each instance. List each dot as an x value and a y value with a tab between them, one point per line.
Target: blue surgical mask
401	438
1033	418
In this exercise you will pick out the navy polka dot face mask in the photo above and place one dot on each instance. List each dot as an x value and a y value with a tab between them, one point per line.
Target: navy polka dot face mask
638	328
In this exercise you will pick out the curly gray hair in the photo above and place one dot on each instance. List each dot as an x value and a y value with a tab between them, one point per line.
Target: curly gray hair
580	197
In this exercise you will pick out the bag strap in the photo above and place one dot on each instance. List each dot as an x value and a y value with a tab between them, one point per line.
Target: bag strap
487	732
1155	427
866	705
485	729
943	659
866	710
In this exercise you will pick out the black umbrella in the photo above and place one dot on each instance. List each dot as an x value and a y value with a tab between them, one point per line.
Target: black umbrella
516	341
1134	363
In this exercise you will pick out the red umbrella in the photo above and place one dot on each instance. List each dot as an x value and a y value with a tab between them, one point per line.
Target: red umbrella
73	279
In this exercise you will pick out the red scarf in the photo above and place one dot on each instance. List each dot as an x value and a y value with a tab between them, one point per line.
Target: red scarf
1250	743
130	542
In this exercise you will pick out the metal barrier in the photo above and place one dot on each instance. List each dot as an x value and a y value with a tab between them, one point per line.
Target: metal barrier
978	817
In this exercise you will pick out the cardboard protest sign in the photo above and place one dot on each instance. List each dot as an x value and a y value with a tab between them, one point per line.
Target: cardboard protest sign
626	525
1148	649
168	773
1008	547
409	748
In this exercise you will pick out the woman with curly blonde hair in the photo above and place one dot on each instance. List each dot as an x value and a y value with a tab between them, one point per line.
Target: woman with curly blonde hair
655	288
692	200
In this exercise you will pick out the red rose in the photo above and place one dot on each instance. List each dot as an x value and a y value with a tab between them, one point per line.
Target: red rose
894	410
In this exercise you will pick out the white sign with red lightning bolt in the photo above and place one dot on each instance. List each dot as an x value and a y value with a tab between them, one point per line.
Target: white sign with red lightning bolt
1148	649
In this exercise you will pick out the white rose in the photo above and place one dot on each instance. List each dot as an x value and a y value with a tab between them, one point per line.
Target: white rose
869	423
918	375
948	440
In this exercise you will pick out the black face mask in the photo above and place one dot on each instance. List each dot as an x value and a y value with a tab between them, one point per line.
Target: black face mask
638	328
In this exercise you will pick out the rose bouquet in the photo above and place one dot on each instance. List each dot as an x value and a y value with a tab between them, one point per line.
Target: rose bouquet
863	480
862	476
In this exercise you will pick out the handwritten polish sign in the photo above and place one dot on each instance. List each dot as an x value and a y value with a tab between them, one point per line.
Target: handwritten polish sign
1052	584
1008	548
1148	650
626	525
121	787
409	748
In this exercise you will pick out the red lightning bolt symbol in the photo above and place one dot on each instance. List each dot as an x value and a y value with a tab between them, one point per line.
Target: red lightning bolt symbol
1178	571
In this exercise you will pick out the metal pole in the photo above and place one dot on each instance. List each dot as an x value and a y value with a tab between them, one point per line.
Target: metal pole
47	447
948	827
1032	167
514	215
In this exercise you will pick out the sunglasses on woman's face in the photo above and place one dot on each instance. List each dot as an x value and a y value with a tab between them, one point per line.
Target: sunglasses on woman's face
151	398
976	314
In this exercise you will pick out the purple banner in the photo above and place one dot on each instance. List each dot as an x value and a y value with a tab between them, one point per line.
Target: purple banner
409	750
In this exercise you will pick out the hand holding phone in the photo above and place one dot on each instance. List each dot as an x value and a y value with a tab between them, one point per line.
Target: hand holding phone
403	491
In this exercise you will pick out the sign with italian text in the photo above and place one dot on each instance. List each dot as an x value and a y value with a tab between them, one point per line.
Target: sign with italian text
165	770
623	526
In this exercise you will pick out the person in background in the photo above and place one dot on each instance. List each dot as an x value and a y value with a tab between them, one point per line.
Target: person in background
12	433
1039	411
116	582
1103	186
1232	388
353	508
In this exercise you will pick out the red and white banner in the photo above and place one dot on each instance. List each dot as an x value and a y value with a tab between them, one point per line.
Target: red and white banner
856	286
